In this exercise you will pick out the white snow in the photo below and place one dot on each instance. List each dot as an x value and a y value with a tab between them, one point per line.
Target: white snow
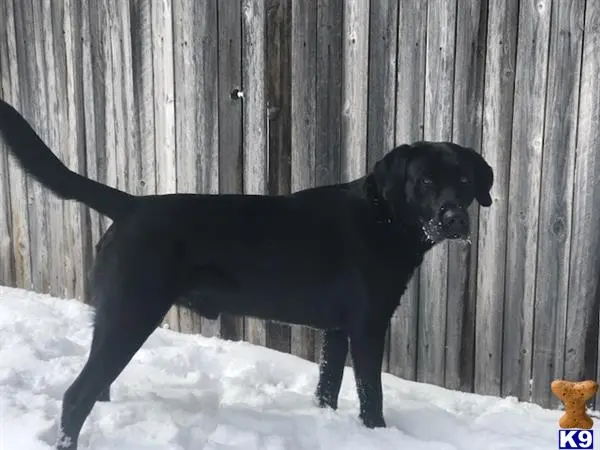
191	392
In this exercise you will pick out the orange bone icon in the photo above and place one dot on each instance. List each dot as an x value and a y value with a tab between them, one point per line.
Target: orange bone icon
574	395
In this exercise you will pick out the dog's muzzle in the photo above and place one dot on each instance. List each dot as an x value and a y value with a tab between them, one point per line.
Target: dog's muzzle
454	222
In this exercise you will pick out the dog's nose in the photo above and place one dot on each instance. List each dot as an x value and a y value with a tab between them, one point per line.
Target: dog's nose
455	222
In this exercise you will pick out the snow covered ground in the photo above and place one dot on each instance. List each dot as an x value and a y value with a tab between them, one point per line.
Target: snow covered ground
190	392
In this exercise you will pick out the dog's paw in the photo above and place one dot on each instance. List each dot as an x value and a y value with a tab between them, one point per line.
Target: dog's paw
370	421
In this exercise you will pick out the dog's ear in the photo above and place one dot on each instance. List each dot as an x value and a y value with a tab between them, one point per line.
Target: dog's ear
484	177
390	170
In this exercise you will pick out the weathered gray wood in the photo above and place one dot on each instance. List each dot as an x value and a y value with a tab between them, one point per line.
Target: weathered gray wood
142	19
7	260
524	196
54	214
100	140
469	67
328	89
87	121
142	65
303	112
328	68
19	211
382	87
131	158
120	67
560	131
69	128
78	227
28	25
355	47
230	123
164	111
355	54
439	83
254	120
278	77
196	114
88	134
581	345
496	143
6	256
412	23
184	47
161	51
588	140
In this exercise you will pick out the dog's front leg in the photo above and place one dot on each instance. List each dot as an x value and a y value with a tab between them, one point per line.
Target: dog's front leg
331	367
367	347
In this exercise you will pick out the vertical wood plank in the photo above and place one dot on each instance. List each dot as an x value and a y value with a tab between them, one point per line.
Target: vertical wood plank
7	269
119	68
469	69
439	78
79	227
524	195
588	140
69	260
303	111
6	256
100	138
382	87
355	46
254	120
196	103
328	90
132	180
207	88
496	145
109	129
12	61
164	109
558	161
355	82
581	346
88	122
28	25
51	74
279	125
142	24
143	68
230	122
328	127
184	47
410	110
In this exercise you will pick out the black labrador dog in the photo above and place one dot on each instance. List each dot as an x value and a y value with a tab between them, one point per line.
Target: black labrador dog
336	258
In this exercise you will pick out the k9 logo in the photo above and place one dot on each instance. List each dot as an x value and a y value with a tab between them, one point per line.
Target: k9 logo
575	439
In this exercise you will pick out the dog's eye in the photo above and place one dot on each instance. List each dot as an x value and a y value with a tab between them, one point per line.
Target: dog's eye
464	179
426	182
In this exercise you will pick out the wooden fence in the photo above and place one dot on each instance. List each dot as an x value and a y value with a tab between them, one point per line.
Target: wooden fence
270	96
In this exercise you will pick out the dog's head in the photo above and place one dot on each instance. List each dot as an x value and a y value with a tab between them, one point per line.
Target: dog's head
432	184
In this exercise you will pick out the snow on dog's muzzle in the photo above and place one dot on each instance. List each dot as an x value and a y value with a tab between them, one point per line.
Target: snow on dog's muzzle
454	222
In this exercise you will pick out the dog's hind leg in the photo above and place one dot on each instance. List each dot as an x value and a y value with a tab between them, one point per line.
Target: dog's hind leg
98	331
119	340
331	367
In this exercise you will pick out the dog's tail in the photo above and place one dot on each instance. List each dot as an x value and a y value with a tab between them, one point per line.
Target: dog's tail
38	160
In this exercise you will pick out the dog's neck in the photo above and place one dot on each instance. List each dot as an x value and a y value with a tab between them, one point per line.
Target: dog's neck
380	206
384	215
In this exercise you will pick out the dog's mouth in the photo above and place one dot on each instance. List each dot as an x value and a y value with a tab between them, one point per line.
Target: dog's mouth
449	223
